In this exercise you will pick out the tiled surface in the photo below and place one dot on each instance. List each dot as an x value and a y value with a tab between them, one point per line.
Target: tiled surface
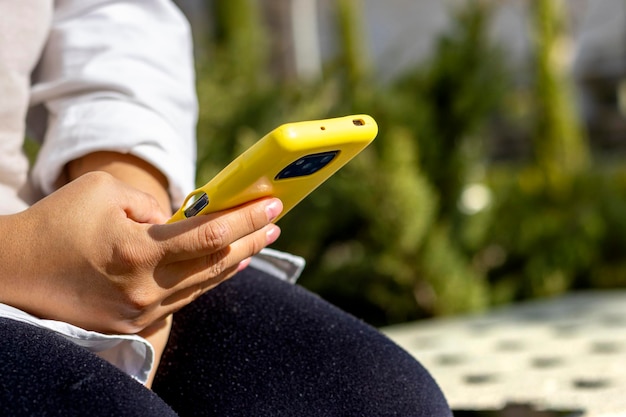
561	353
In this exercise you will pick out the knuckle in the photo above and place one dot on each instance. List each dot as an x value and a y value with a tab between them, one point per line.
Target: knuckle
140	323
150	201
97	178
133	313
130	272
94	176
196	292
255	219
255	244
139	301
216	264
133	326
214	235
129	259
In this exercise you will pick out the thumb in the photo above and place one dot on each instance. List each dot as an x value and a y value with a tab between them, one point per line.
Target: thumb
142	207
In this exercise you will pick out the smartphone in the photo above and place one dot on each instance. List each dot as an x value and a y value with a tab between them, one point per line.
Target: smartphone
288	163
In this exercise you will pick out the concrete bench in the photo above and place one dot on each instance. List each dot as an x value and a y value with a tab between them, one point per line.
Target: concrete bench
565	353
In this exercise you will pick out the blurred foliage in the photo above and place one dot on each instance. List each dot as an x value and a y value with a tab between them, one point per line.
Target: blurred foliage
31	149
559	142
424	222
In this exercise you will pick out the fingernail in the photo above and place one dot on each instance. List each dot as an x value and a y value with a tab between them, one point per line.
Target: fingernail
273	209
272	234
243	264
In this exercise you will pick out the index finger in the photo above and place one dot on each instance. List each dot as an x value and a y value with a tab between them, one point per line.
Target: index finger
202	235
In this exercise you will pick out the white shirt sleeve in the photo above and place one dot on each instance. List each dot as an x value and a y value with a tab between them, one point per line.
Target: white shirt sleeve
118	75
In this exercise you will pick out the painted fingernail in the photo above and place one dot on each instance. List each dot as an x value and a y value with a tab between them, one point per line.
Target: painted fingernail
273	209
272	234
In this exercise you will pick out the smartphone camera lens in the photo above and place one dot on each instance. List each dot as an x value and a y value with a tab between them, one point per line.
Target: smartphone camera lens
307	165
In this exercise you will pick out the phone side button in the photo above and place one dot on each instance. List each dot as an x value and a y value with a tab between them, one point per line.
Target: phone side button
197	206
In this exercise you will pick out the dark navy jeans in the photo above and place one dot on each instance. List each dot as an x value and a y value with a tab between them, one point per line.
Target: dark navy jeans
254	346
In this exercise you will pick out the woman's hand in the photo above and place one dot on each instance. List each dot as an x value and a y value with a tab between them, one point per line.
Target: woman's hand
96	254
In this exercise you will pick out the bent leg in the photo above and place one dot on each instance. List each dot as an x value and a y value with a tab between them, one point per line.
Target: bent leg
43	374
259	346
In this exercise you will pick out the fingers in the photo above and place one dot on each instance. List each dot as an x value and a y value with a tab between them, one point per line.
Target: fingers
199	253
200	276
204	235
217	266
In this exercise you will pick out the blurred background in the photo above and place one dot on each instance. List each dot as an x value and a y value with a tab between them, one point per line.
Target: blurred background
499	173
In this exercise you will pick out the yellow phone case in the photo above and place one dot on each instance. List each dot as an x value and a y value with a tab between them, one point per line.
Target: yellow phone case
287	163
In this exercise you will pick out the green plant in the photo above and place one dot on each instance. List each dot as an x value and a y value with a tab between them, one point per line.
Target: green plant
388	238
381	237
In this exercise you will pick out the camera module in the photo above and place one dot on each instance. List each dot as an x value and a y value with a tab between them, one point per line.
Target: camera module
307	165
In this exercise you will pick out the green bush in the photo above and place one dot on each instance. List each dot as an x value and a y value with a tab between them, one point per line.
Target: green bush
547	243
388	238
389	253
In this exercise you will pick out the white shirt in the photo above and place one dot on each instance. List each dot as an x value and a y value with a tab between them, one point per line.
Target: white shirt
118	75
106	75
